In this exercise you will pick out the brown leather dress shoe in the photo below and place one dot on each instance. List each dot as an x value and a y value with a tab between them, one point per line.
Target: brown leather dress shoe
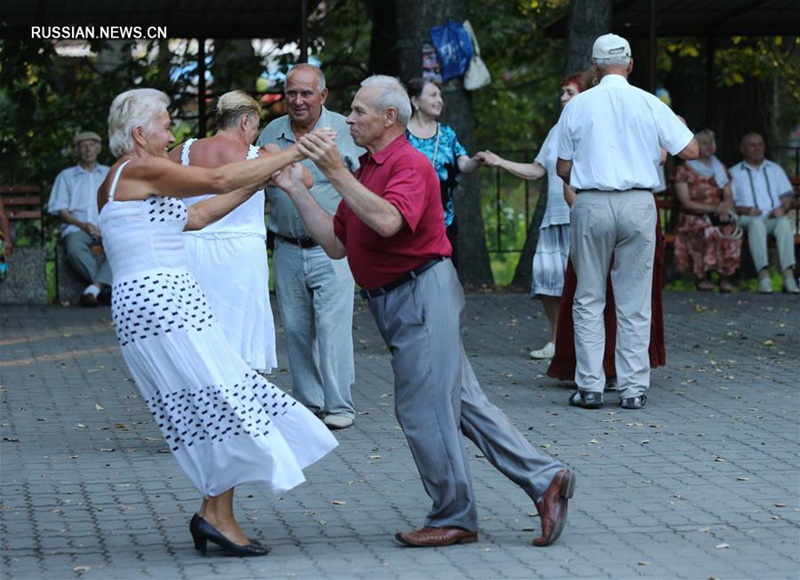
552	507
430	537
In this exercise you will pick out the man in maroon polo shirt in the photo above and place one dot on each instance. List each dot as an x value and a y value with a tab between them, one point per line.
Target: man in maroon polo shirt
389	225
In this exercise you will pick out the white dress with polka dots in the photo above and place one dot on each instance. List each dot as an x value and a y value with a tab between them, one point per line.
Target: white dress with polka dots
225	423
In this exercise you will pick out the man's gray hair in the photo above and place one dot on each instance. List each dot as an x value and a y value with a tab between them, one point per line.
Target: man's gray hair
616	62
393	95
306	66
131	109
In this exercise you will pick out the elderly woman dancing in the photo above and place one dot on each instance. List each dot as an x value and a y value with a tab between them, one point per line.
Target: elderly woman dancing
224	423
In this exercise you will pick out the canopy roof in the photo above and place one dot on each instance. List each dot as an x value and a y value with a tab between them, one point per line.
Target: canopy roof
700	18
278	19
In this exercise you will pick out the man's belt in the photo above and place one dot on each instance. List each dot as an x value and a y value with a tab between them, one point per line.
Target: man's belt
302	242
408	276
614	190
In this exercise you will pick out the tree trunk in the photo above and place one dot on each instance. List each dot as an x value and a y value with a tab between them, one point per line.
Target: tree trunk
383	59
414	20
588	19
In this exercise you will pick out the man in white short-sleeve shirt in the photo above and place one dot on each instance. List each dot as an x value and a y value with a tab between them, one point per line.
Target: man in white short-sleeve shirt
609	152
762	195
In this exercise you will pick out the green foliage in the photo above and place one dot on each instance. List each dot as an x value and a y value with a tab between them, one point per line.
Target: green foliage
517	110
741	58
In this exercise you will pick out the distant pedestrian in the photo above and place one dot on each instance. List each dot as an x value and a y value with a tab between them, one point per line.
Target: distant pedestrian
609	154
389	225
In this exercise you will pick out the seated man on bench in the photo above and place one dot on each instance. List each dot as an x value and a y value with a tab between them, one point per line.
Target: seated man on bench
74	200
762	195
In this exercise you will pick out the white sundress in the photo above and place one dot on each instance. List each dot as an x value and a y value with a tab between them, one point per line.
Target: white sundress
229	260
225	423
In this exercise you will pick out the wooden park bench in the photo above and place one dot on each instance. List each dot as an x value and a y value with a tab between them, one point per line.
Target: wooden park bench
27	266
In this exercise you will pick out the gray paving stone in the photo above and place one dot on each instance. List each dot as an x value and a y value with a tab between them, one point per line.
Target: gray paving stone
702	483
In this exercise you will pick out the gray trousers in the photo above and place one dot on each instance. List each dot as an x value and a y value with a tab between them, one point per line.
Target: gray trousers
757	228
616	232
437	398
78	248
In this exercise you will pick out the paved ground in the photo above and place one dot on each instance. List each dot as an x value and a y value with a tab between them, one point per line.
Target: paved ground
703	483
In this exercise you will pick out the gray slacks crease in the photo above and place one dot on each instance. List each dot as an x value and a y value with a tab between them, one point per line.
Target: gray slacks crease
438	397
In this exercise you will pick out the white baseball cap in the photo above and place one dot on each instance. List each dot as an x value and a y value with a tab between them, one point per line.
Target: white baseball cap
611	46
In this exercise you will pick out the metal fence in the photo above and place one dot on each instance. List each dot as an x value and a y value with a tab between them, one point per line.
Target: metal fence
509	201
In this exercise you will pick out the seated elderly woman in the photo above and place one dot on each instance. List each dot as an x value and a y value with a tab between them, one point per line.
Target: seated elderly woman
707	237
224	422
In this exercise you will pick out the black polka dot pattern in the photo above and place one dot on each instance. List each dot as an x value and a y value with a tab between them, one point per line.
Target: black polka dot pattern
157	304
216	413
166	209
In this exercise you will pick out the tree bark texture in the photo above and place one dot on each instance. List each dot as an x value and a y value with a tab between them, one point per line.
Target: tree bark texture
383	55
414	20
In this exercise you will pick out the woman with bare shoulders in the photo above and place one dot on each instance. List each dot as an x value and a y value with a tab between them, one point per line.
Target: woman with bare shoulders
224	423
229	256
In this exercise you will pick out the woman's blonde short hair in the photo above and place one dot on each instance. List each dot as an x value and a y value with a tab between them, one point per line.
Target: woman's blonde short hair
705	137
131	109
231	106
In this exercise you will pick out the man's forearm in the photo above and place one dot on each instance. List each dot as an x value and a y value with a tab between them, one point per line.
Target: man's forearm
373	210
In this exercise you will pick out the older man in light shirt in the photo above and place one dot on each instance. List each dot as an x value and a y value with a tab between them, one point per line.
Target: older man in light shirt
762	195
609	153
74	200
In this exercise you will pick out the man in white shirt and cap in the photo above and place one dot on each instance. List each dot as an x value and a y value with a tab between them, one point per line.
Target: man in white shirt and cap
762	195
74	200
609	153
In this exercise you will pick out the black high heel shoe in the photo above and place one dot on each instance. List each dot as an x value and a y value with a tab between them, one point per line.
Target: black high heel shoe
202	532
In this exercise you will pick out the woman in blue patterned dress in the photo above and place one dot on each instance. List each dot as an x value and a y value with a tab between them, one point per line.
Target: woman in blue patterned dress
224	423
440	144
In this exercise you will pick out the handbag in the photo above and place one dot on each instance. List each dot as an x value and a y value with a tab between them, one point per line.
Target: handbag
728	229
453	47
477	75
